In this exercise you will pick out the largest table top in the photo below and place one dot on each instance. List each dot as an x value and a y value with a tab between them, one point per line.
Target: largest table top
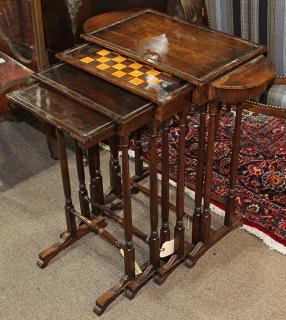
196	54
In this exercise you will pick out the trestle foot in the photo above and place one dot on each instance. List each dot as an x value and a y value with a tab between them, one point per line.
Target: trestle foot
109	296
191	260
135	285
65	241
164	272
174	261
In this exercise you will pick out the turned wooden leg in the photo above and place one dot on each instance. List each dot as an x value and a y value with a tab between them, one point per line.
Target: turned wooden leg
230	204
165	228
84	205
70	218
217	118
129	251
96	184
199	177
154	241
71	235
139	168
206	216
180	197
114	167
179	231
98	176
52	141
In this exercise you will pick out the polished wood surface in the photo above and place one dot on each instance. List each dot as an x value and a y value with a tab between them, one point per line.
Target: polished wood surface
104	19
246	82
147	82
252	74
167	46
60	111
116	103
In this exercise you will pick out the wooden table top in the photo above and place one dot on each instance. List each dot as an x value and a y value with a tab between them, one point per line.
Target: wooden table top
110	100
152	84
193	53
252	74
85	125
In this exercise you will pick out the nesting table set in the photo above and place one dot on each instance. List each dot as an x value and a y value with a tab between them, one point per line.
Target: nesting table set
144	70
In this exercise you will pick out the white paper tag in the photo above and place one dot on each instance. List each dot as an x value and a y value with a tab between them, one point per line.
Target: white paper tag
2	61
167	249
137	268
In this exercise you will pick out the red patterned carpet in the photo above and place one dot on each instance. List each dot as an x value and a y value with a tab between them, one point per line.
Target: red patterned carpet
262	170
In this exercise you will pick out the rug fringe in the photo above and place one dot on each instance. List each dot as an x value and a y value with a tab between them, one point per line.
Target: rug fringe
267	240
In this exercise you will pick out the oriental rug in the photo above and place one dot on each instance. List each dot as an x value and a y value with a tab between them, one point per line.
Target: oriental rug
261	190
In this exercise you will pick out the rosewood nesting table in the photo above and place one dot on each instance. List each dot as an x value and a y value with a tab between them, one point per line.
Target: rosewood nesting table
137	72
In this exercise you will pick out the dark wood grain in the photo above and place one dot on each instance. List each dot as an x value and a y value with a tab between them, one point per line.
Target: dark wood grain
246	82
158	92
167	46
205	232
84	205
230	203
70	218
81	122
199	188
179	230
104	19
165	228
129	251
154	241
110	100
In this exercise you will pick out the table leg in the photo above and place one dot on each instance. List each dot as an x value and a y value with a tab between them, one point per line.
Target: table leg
70	236
180	197
52	141
165	229
230	204
129	252
129	256
206	216
154	241
96	185
139	168
84	205
114	167
70	218
199	178
179	231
